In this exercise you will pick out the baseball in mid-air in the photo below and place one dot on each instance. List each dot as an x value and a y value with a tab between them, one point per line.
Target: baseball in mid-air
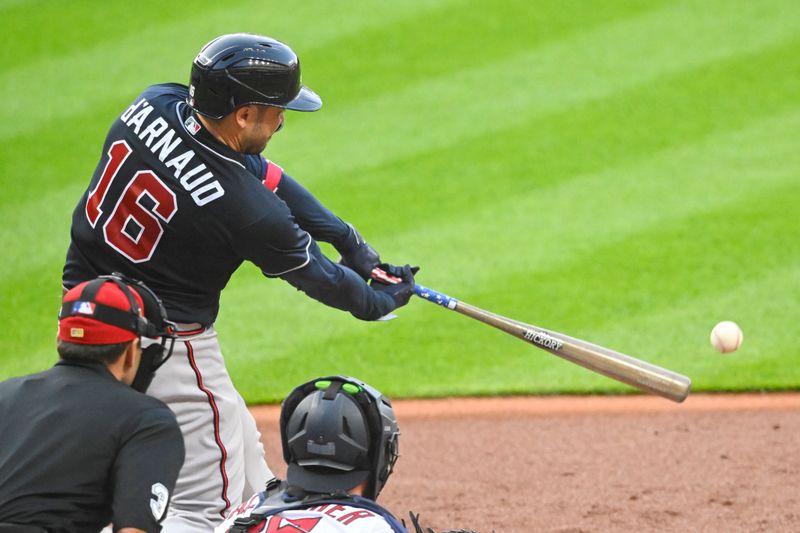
726	337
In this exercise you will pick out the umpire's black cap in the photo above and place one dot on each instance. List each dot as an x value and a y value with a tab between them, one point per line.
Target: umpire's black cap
244	68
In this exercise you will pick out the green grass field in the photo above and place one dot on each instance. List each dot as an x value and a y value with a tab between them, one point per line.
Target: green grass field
622	171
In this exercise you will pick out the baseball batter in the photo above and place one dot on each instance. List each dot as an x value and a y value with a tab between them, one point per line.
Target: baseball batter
179	199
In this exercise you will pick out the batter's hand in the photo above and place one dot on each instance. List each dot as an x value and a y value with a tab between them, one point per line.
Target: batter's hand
396	281
358	255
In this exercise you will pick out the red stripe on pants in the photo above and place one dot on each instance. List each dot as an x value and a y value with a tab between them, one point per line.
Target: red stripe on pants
213	404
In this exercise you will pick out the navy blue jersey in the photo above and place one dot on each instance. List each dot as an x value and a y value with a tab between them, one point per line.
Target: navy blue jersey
170	205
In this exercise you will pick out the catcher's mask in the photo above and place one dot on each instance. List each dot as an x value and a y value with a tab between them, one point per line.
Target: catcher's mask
87	317
244	68
338	432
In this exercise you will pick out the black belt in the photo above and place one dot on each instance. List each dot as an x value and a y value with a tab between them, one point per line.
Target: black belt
19	528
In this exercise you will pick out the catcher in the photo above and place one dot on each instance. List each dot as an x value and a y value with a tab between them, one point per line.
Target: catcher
340	441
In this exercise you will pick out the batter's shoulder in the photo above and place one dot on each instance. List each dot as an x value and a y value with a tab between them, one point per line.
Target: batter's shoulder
162	96
166	90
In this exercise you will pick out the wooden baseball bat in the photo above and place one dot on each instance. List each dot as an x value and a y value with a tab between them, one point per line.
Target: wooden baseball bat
624	368
634	372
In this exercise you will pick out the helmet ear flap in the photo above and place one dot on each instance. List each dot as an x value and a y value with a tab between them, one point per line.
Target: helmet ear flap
387	444
392	453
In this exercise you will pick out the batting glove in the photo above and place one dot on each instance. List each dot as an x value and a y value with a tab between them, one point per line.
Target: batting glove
396	281
359	256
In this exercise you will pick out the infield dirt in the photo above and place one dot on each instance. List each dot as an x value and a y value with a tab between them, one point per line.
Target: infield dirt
593	464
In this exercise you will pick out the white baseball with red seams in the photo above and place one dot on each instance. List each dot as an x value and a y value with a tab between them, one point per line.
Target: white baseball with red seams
726	337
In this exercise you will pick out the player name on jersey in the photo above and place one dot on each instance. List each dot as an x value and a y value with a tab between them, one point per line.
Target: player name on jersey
163	141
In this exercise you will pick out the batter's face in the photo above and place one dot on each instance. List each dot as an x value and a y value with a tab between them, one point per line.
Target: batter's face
259	124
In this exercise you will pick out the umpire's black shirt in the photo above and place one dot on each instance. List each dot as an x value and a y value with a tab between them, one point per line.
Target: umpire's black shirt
80	449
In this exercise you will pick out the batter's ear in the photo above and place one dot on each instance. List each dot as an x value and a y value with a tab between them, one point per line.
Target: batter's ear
244	114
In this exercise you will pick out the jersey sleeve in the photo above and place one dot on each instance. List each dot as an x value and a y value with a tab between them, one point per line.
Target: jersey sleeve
339	287
274	242
145	470
307	210
282	249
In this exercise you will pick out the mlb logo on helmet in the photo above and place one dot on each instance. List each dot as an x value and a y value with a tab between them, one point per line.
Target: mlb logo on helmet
83	308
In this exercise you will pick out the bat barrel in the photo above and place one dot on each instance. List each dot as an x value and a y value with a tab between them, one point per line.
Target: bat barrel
634	372
624	368
615	365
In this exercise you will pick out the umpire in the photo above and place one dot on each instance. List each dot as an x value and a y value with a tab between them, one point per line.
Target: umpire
80	447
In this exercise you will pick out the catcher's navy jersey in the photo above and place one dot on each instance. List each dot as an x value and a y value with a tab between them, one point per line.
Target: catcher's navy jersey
170	205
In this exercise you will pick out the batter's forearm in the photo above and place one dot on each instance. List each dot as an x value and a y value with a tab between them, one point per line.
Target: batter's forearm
339	287
311	215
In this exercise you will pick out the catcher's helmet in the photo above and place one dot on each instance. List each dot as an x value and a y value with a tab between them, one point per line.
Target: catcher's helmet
244	68
338	432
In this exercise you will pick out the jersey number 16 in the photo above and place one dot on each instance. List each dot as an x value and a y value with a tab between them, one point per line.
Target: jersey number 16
132	229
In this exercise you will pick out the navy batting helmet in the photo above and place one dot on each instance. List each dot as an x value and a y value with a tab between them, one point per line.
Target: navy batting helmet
244	68
338	432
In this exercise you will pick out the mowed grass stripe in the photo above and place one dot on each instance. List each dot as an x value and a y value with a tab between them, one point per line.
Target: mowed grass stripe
29	314
669	112
464	36
459	107
627	277
45	30
678	335
37	29
547	232
546	227
53	86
